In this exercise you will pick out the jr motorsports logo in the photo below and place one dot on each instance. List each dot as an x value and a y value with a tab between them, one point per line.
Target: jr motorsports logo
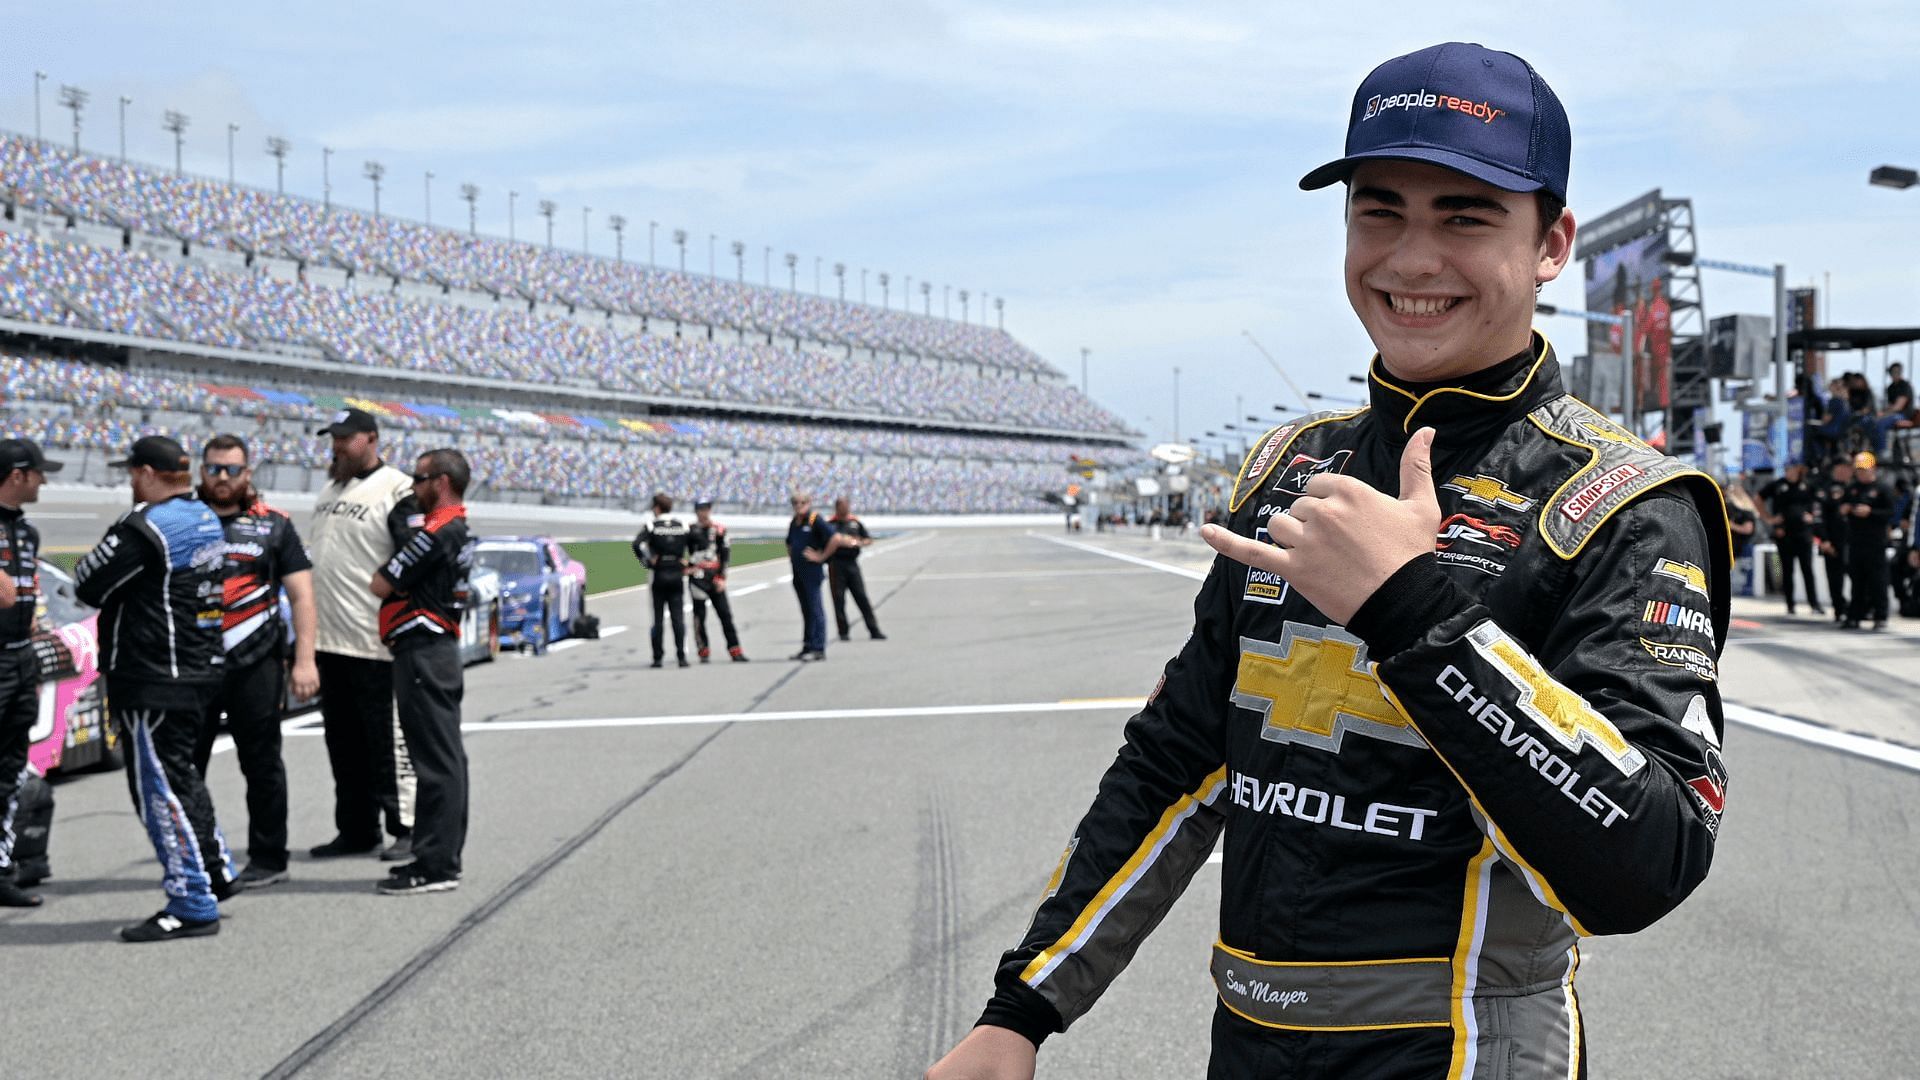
1484	111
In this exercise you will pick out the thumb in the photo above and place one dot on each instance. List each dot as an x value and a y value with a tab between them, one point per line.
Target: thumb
1416	470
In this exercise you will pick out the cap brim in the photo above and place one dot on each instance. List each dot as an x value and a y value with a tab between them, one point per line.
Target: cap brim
121	464
1334	172
52	466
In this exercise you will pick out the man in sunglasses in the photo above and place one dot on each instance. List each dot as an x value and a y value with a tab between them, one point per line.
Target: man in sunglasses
23	468
264	556
420	622
359	520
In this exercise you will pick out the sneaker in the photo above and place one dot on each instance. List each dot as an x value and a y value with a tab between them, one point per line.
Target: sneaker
704	654
223	887
683	662
1879	624
340	845
1818	610
164	926
12	895
878	636
256	876
658	662
416	883
844	636
812	657
401	848
738	656
402	870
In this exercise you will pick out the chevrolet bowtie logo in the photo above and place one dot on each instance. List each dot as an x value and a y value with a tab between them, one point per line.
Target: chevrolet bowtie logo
1687	574
1611	433
1314	687
1489	491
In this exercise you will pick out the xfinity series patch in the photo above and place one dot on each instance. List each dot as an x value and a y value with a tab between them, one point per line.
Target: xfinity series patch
1695	661
1304	467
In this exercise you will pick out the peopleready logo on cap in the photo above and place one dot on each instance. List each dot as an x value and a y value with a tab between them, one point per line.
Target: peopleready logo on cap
1421	99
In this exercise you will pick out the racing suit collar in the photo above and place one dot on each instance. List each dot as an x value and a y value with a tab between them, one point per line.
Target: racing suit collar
441	515
1471	408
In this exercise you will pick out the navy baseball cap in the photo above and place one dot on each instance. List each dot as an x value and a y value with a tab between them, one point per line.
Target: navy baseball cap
1463	107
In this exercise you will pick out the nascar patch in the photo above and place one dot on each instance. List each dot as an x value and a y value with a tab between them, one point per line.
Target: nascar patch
1662	613
1696	661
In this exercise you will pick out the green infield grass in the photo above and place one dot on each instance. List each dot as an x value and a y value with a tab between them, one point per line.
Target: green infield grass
610	563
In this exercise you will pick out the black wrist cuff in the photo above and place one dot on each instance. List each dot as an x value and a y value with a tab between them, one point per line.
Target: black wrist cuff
1019	1007
1418	597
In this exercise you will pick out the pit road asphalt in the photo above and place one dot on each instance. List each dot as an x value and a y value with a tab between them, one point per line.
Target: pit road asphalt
778	870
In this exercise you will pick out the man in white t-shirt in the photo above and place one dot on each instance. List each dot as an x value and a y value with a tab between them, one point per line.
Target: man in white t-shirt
359	520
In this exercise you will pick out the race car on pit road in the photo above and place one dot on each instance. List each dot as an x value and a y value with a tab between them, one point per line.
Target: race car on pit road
71	732
543	590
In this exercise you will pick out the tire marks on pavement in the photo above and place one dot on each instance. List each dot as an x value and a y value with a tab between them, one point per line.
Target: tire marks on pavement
930	1005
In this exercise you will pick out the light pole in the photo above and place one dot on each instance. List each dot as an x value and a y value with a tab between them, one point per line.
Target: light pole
585	247
72	97
680	239
512	197
863	284
471	192
38	78
793	272
547	207
946	302
124	102
739	262
766	265
618	223
427	186
1176	404
277	147
176	121
816	275
886	296
963	307
326	179
232	130
1000	312
711	240
906	293
926	297
652	227
840	274
1084	353
373	171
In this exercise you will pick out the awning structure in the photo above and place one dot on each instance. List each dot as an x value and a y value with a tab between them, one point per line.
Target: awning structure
1837	338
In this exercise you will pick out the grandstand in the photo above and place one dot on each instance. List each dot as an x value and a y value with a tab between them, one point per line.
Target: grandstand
134	300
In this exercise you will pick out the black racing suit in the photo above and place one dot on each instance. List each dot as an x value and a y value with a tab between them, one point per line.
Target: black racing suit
707	573
1514	744
1797	505
844	577
664	546
1833	533
262	549
19	669
1867	548
420	622
158	579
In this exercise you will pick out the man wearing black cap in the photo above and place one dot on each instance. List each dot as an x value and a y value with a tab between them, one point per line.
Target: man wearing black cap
25	468
360	519
663	546
1450	690
708	576
157	578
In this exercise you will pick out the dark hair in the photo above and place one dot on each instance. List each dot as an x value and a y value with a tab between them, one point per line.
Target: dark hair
226	442
451	464
1551	207
662	502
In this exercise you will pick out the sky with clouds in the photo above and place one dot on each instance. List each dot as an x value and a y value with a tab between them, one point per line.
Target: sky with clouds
1122	174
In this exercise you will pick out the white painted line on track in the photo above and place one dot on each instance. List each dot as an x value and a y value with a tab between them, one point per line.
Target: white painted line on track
898	713
1169	568
1904	757
562	646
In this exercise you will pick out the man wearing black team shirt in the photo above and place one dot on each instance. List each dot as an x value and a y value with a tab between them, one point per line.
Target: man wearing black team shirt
23	468
708	576
843	570
664	545
420	622
1868	510
1831	537
1792	508
264	555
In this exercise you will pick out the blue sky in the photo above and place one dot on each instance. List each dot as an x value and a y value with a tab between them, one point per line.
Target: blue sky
1122	174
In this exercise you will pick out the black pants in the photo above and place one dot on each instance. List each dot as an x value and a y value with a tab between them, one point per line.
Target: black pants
668	597
1867	569
253	698
428	682
1836	567
703	595
844	578
172	801
1797	551
371	776
19	708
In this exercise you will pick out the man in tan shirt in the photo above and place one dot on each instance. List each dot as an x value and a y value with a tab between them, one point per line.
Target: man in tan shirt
359	520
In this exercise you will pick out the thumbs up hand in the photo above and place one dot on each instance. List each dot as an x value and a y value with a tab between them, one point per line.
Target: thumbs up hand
1342	539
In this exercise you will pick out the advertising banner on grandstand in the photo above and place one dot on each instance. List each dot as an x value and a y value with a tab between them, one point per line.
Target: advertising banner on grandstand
1633	277
1641	217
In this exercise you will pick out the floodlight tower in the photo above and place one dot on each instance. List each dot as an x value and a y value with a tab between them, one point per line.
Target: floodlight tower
232	130
176	121
840	273
547	207
124	102
374	171
740	262
1000	312
277	147
618	223
427	186
471	193
886	294
926	296
72	97
793	272
963	307
680	241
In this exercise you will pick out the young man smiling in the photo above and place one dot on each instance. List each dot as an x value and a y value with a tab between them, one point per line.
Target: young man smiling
1449	693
